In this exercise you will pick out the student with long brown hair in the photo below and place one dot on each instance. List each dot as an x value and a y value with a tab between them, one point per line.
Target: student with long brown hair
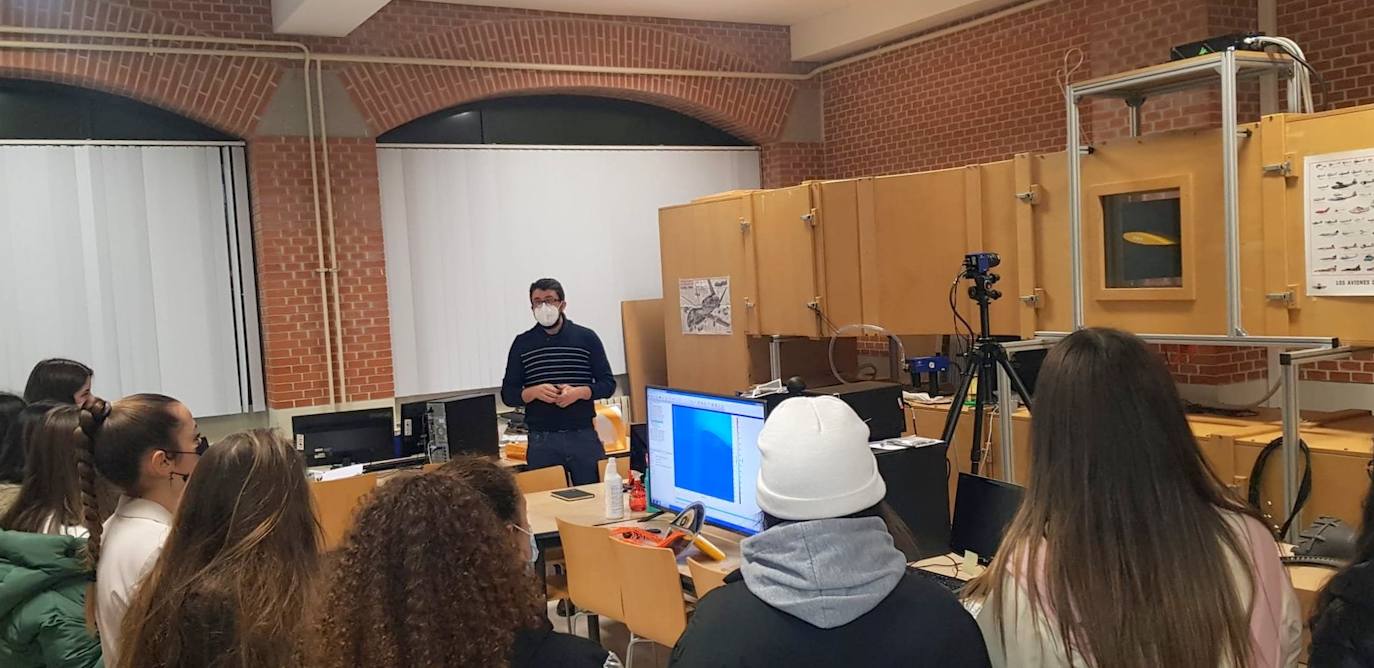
1127	551
537	645
13	447
230	587
146	446
61	380
50	498
427	577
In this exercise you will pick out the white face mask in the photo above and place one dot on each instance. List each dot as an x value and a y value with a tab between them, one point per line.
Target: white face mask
546	314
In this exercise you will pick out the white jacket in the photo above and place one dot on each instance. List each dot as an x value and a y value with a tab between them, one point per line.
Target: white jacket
131	543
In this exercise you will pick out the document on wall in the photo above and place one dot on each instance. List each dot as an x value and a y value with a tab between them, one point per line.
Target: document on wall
1340	223
705	304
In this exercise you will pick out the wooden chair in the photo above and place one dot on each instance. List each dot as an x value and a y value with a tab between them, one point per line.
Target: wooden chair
541	480
654	608
622	465
704	578
593	578
336	504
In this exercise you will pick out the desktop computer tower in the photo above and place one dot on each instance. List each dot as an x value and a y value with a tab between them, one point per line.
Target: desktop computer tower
414	428
878	403
918	492
463	425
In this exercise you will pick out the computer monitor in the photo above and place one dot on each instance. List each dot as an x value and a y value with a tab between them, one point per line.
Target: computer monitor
349	437
983	508
704	447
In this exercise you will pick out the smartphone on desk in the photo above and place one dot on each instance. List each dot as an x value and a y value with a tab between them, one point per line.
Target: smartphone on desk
572	495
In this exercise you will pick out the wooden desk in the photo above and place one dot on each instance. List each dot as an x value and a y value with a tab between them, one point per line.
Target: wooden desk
543	510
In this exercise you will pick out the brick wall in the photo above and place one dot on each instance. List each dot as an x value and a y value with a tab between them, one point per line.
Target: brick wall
1358	369
1338	38
1214	365
789	163
988	92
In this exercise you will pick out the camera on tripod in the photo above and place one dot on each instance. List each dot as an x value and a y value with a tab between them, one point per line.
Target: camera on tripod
984	356
979	263
977	267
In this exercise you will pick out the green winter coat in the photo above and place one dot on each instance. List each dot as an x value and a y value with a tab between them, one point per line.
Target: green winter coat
42	602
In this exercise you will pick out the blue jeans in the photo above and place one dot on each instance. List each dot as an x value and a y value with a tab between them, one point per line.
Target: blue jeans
578	452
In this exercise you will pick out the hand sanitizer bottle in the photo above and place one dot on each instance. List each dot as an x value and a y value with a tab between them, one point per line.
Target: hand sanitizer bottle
615	491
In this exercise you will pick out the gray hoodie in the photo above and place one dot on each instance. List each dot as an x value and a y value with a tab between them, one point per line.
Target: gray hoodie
824	572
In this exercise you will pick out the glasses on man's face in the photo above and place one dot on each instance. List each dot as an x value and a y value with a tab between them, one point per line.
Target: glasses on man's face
552	301
202	444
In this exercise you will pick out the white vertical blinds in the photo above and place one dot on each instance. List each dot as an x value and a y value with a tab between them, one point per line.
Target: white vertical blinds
138	261
468	228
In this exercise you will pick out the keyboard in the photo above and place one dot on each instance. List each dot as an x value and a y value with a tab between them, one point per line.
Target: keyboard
947	581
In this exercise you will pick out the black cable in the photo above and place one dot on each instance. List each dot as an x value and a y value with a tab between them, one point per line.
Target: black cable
1304	488
819	314
959	317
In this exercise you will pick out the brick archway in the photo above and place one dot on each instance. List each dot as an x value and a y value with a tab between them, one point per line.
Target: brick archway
392	95
199	88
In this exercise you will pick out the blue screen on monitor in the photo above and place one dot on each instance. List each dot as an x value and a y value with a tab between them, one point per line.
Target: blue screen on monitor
704	448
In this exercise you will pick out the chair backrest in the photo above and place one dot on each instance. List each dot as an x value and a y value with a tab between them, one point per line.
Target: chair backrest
704	578
541	480
336	504
622	466
651	591
593	577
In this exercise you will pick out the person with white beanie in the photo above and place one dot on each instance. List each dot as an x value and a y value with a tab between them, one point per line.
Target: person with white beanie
824	584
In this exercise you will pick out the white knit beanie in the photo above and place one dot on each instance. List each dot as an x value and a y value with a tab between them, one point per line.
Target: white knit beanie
816	461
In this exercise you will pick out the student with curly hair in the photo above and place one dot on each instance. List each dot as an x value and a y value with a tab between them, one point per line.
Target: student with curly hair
230	587
428	578
537	646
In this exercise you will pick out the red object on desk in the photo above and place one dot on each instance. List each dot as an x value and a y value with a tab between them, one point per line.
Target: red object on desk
639	500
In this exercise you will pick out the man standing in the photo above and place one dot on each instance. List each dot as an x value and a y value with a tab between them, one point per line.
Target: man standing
556	369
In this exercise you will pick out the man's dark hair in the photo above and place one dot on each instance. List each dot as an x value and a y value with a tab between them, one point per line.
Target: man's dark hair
548	284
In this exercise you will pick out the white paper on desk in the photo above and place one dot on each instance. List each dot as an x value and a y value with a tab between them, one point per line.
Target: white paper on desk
911	442
342	472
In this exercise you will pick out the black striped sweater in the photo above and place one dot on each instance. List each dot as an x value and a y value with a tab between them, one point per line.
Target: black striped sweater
574	356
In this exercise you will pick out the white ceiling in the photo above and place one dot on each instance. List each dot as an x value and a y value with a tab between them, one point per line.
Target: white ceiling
773	12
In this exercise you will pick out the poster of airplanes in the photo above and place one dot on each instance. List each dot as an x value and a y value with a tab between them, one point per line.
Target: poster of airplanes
1340	223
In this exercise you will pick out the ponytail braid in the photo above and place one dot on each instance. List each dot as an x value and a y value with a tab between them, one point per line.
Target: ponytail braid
93	414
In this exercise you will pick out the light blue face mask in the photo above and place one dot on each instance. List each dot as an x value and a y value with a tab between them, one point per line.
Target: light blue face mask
534	544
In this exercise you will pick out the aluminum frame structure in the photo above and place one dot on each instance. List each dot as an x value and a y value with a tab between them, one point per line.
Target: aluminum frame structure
1136	86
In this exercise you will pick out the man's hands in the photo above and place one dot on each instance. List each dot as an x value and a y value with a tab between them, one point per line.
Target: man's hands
569	395
546	393
558	395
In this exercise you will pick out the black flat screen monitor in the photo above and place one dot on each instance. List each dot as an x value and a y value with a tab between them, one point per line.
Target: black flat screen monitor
983	508
349	437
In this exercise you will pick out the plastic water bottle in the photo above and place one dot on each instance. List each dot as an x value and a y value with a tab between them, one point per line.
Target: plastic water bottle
615	491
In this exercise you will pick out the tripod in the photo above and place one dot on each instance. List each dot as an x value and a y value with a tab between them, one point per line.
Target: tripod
983	357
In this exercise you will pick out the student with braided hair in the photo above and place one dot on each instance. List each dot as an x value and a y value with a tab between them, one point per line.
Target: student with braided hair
145	445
